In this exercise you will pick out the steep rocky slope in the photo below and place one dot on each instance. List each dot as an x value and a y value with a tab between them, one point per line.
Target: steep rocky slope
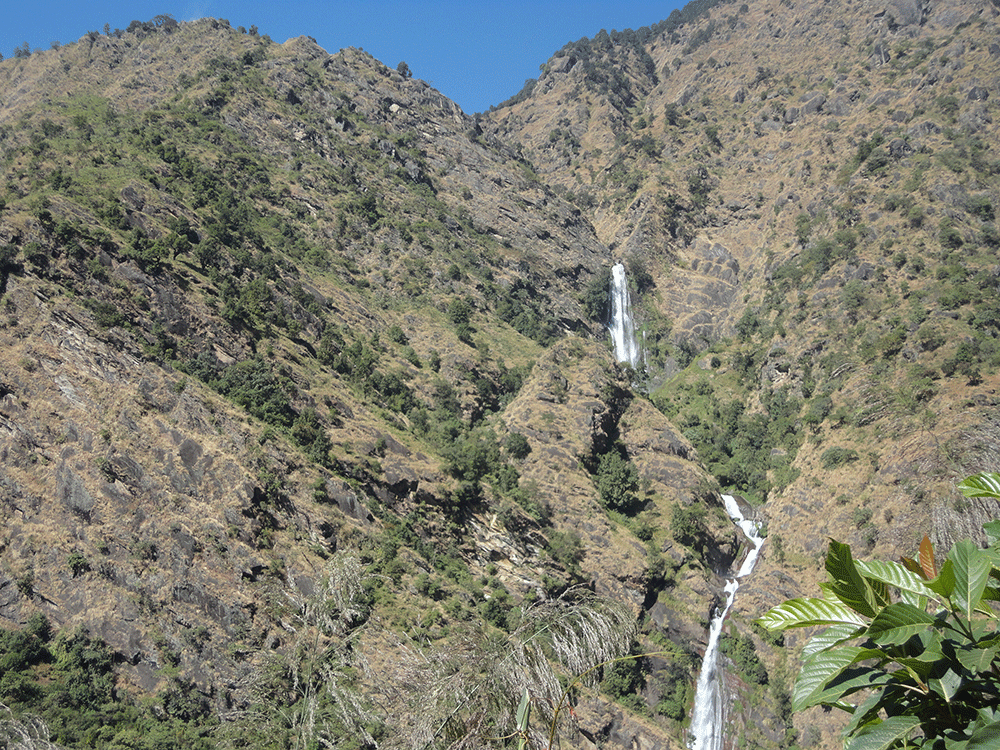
271	315
812	191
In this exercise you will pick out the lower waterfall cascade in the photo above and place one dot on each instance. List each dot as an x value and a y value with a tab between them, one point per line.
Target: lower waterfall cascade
708	719
621	326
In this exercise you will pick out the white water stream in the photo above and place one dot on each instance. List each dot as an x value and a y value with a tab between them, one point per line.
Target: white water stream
621	326
708	721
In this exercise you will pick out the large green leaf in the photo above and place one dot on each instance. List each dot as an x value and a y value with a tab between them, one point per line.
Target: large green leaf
892	732
806	612
947	686
897	575
985	738
972	571
977	660
944	584
981	485
992	530
848	682
813	684
847	583
897	623
832	636
918	669
986	730
866	712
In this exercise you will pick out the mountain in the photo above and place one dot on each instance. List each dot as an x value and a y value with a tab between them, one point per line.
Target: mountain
310	423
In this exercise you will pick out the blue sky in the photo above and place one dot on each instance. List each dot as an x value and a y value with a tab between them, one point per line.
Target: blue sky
476	53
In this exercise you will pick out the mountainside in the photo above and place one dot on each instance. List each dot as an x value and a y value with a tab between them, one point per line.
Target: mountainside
844	182
309	424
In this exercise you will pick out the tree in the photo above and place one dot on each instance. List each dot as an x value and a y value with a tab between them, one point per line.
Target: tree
920	639
596	297
687	524
617	480
404	70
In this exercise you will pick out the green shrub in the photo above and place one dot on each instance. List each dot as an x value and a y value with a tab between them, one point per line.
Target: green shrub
106	314
688	524
930	337
396	335
252	385
77	563
818	410
25	583
623	679
566	548
949	235
144	549
497	608
742	651
836	457
308	432
981	207
517	446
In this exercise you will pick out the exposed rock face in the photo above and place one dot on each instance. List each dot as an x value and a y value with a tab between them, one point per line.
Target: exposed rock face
139	473
573	408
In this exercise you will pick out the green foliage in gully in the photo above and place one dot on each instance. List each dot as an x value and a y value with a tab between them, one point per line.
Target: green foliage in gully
915	642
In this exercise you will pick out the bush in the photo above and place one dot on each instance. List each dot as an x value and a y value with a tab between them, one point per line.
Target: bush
496	609
517	446
251	384
473	456
396	335
624	678
836	457
309	433
77	563
818	410
741	650
566	548
949	235
930	337
687	524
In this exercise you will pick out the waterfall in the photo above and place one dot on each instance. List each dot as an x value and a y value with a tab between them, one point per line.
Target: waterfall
621	327
707	723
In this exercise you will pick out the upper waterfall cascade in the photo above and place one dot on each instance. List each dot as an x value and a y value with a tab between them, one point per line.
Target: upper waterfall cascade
621	325
708	721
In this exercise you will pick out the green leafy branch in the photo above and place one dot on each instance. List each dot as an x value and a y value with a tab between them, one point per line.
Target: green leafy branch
914	643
